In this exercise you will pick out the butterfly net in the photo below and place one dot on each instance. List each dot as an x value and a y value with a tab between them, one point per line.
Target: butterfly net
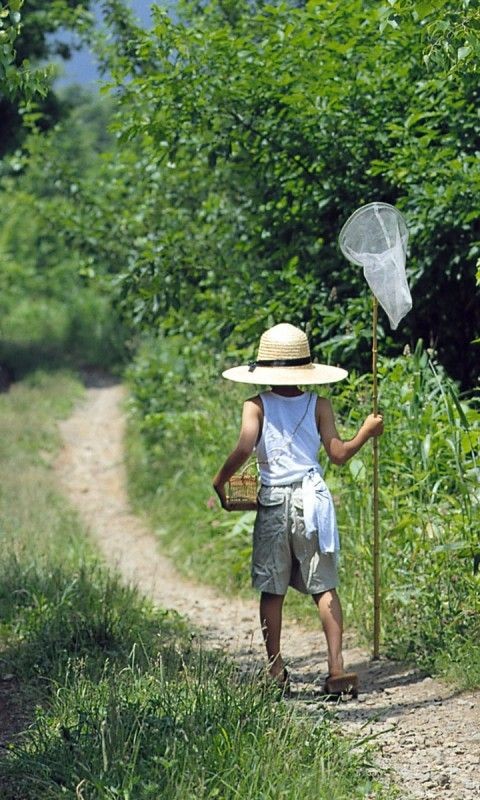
375	237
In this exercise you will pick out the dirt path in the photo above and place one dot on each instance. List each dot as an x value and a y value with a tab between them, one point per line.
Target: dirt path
429	735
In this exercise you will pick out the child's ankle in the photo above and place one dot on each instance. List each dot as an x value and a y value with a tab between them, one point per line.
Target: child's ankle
335	667
276	666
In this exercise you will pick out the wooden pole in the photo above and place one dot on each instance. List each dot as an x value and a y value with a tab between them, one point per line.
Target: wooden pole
376	531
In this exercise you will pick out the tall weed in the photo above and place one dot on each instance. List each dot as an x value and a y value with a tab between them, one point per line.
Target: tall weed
429	510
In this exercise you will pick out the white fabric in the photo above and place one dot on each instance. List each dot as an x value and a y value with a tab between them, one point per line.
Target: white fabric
375	237
319	512
289	444
385	274
287	452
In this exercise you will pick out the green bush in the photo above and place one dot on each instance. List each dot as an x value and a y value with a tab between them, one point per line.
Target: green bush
44	332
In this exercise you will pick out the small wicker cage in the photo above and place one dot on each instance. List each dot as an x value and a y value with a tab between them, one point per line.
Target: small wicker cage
242	490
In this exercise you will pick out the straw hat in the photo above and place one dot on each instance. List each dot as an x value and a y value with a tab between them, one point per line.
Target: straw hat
284	360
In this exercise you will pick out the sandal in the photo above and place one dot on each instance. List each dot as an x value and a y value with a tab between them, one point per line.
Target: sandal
281	682
338	685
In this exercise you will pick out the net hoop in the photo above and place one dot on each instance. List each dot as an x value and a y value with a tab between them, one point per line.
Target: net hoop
375	238
360	212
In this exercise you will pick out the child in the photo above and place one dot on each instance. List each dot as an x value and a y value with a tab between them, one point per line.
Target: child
295	538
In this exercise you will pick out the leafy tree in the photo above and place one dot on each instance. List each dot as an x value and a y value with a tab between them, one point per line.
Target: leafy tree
26	96
15	78
451	30
38	186
267	129
246	139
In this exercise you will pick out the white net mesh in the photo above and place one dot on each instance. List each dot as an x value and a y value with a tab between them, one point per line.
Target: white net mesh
375	237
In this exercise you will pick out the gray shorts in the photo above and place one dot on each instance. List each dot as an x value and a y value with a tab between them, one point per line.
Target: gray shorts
282	555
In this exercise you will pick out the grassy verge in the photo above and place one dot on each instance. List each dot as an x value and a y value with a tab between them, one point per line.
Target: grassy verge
184	421
121	700
54	333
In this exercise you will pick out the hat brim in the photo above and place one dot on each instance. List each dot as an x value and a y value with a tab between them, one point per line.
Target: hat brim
286	376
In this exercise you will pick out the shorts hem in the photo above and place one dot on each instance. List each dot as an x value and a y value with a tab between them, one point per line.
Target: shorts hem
300	589
265	588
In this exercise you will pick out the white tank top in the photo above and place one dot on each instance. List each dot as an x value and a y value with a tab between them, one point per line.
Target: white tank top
289	444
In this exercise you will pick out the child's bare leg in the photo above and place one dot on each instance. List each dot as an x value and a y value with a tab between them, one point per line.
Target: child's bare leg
271	621
331	617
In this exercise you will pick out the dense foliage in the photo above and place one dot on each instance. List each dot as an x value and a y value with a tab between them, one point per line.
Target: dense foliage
247	134
49	309
260	128
27	42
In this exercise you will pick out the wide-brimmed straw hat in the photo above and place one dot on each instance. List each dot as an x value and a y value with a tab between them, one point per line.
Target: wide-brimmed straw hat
284	360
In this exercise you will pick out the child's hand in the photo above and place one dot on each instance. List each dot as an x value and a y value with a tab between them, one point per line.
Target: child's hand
220	490
374	424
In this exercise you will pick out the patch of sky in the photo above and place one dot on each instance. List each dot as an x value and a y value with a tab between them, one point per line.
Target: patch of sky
82	67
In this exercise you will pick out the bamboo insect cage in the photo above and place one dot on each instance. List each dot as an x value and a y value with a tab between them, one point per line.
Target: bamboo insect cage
242	489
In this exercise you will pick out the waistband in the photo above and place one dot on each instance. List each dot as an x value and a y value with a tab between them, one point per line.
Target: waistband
294	485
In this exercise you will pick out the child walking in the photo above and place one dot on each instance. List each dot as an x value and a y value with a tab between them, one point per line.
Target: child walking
295	537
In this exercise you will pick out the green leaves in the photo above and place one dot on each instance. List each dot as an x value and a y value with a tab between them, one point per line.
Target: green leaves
243	145
292	117
10	80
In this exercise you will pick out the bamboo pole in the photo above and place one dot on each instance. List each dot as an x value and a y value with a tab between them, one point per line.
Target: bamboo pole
376	531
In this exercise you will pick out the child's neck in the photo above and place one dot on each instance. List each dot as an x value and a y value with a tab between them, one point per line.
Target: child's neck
287	391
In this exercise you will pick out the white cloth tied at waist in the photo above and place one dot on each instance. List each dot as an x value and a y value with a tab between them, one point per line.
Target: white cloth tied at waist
319	512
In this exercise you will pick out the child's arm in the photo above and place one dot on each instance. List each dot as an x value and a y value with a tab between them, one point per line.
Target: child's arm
339	451
252	419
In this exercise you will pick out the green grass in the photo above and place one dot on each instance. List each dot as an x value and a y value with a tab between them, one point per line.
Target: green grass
31	512
122	700
185	728
45	332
